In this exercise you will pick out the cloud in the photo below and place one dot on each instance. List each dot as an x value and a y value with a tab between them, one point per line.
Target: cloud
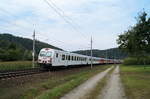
101	19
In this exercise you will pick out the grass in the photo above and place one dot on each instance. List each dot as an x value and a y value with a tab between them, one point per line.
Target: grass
50	85
14	65
54	89
136	80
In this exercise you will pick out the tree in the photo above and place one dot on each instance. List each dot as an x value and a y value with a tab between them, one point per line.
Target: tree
136	41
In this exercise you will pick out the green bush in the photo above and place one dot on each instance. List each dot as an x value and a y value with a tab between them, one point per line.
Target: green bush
137	60
16	65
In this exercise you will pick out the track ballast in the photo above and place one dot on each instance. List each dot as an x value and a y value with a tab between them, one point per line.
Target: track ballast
16	73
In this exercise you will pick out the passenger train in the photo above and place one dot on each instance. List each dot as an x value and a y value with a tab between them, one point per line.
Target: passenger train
48	58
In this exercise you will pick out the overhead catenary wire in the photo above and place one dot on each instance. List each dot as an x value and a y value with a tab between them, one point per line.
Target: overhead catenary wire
26	28
54	8
63	13
54	39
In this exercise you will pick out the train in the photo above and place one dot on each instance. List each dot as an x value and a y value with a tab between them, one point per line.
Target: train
49	58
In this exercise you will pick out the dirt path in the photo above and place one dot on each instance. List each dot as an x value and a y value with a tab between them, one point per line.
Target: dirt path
113	89
83	89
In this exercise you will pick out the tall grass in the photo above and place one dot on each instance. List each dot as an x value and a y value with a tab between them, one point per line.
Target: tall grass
15	65
136	81
137	61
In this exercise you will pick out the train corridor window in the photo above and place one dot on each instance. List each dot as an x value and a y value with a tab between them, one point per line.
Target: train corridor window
66	57
63	57
75	58
69	57
57	55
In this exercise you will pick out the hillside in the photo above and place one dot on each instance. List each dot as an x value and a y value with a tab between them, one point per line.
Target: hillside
18	48
110	53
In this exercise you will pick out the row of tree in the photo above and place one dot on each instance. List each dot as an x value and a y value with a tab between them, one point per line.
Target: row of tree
136	40
11	52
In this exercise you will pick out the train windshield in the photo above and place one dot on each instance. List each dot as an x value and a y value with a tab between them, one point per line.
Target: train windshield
45	53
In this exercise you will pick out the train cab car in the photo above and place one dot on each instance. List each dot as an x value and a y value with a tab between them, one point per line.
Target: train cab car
45	57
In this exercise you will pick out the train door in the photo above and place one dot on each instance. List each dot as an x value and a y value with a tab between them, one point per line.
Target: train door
57	58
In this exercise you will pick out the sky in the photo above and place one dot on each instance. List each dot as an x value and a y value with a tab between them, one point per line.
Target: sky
69	24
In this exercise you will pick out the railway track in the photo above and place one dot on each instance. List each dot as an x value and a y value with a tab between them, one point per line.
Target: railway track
16	73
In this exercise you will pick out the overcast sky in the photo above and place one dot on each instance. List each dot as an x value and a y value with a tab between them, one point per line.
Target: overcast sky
104	20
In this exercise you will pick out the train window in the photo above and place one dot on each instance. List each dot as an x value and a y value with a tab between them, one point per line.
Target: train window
72	57
63	57
56	54
69	57
66	57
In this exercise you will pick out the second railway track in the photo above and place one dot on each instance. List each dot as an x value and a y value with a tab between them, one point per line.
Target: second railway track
16	73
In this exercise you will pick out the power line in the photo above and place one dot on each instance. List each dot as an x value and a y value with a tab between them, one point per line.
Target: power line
64	13
54	7
61	42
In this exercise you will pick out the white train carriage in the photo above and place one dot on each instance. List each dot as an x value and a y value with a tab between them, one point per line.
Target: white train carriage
50	57
54	57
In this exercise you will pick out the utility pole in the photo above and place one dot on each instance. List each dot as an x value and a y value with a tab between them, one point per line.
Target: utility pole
106	56
114	57
91	54
33	51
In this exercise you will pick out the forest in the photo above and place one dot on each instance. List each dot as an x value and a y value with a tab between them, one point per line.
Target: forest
112	53
14	48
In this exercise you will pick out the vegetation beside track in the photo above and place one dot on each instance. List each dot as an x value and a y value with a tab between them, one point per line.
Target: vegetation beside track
15	65
55	89
136	80
30	87
69	83
137	60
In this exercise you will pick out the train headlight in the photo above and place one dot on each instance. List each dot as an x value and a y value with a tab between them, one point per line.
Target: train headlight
50	60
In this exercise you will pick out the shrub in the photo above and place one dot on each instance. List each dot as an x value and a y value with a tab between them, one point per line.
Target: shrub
137	60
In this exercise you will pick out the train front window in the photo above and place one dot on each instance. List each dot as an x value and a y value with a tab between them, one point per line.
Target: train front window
45	53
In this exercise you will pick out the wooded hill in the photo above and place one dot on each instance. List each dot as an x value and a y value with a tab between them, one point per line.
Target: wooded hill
18	48
109	53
